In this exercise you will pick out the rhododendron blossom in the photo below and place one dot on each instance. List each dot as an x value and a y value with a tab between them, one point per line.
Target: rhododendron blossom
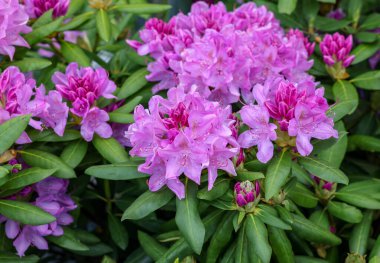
224	53
13	22
183	134
37	8
83	87
20	96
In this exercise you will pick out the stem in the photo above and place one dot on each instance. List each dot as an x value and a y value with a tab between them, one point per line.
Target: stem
107	192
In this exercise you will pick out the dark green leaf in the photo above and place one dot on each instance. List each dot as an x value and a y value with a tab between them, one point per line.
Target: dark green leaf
346	98
150	245
74	153
11	258
371	22
11	130
266	217
118	232
26	177
365	142
345	212
302	196
220	188
110	149
68	241
120	171
360	234
257	235
281	245
360	200
121	117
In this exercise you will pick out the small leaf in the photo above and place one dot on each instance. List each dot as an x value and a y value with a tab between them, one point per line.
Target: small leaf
323	170
345	212
368	81
150	245
360	235
51	136
147	203
118	232
257	235
103	24
188	219
11	130
25	213
277	173
120	171
133	84
110	149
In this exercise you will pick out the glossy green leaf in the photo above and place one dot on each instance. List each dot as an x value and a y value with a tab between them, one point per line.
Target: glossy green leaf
25	213
43	31
26	177
371	22
31	64
77	21
51	136
103	25
48	161
11	130
320	218
281	245
141	8
220	188
346	98
74	153
12	258
118	232
370	186
121	117
73	53
360	200
360	234
247	175
188	219
323	170
307	230
147	203
345	212
150	245
329	24
110	149
133	84
277	173
266	217
368	81
129	106
302	196
363	51
120	171
257	235
241	251
68	241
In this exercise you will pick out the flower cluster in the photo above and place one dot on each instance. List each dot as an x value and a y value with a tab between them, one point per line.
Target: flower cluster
13	22
83	87
19	95
224	53
297	109
183	134
336	48
51	197
37	8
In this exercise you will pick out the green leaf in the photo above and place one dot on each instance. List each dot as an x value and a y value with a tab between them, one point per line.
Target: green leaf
285	214
307	230
330	25
360	200
247	175
51	136
323	170
277	173
6	257
147	203
46	18
188	219
327	1
364	51
360	235
346	98
110	149
281	245
121	117
26	177
43	31
133	84
375	259
345	212
220	239
220	188
302	196
241	251
375	249
266	217
31	64
74	53
368	81
25	213
150	245
129	106
305	259
371	22
48	161
77	21
257	235
120	171
68	241
74	153
320	218
118	232
365	142
301	175
141	8
103	25
11	130
370	186
287	6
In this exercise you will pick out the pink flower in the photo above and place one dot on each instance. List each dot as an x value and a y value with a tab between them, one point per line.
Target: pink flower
309	46
95	121
183	134
336	48
261	132
37	8
13	22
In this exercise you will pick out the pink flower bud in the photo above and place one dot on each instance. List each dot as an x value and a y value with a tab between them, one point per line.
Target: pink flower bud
336	48
246	192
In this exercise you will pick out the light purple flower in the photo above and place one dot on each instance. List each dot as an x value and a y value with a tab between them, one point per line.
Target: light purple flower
183	134
13	22
336	48
95	121
261	132
37	8
51	197
309	46
246	192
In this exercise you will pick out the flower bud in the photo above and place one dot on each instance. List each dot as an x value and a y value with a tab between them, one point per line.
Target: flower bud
100	4
246	193
324	188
